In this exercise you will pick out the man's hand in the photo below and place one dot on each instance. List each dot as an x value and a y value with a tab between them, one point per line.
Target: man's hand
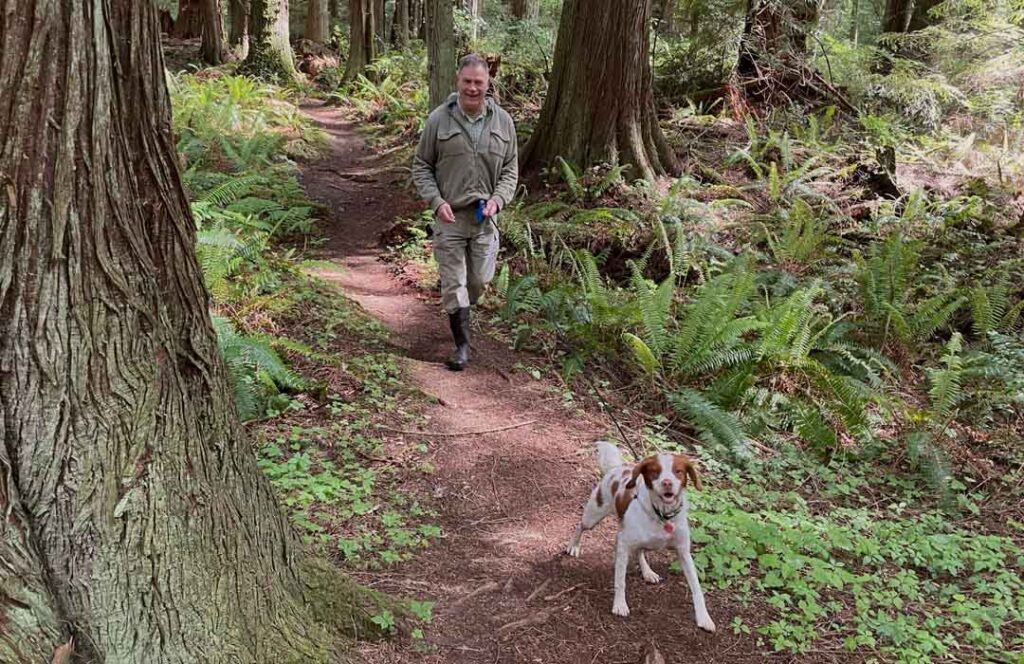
491	208
445	214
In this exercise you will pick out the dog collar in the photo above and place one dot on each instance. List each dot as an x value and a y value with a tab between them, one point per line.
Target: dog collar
667	516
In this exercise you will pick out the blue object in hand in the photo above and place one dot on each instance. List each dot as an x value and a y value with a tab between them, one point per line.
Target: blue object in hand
480	211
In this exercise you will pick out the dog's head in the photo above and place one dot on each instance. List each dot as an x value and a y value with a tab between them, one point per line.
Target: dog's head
665	476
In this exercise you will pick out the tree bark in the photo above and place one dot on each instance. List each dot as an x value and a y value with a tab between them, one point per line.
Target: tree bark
135	520
854	35
189	23
270	53
666	16
238	36
380	31
908	15
776	30
212	48
525	9
318	21
440	28
361	44
400	31
601	109
474	17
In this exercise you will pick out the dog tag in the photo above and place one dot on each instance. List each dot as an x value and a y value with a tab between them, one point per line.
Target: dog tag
669	527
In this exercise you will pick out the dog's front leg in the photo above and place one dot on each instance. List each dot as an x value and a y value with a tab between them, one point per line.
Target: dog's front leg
690	571
622	553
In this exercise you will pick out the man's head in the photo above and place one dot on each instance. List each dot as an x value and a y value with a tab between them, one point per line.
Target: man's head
473	79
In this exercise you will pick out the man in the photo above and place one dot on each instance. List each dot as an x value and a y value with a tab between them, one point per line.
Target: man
466	168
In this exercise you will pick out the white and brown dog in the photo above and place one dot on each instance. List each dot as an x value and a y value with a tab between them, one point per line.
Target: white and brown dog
652	515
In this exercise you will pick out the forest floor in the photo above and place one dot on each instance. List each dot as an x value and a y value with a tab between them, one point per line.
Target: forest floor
513	464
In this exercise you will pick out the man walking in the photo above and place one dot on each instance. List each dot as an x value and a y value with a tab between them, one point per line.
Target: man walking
466	168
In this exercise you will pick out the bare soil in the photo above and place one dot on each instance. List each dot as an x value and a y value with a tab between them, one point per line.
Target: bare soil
508	500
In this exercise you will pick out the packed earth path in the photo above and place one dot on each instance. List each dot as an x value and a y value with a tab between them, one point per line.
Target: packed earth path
509	497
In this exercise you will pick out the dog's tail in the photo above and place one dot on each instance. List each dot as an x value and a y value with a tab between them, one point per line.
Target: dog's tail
608	456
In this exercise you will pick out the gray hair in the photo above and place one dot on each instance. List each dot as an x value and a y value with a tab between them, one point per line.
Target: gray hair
474	60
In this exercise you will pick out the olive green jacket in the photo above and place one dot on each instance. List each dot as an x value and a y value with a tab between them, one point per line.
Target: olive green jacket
448	167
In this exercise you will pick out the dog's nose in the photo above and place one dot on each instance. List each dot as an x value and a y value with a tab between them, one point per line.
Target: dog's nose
666	483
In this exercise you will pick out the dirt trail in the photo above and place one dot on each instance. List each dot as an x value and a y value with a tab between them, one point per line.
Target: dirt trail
508	500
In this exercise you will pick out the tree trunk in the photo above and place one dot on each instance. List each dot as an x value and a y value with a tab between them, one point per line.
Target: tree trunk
855	23
601	109
361	43
270	53
474	20
908	15
897	15
335	10
189	23
666	17
440	50
212	49
778	30
419	19
238	37
135	519
380	32
318	21
401	22
525	9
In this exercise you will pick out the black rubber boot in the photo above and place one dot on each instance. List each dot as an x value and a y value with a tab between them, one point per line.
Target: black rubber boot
459	322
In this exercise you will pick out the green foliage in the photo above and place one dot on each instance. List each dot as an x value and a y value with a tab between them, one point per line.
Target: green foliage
258	375
920	586
887	281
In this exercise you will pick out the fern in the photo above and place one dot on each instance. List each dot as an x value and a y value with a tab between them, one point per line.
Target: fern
945	390
714	425
255	368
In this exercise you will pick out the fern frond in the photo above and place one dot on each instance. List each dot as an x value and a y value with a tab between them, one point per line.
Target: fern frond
713	425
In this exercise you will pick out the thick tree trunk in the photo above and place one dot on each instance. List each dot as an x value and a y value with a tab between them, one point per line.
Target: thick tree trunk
908	15
776	32
270	53
525	8
440	50
189	23
212	49
361	44
134	518
318	21
238	37
601	109
401	30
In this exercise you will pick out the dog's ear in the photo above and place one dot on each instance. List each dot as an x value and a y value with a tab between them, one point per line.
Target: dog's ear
684	468
691	472
637	470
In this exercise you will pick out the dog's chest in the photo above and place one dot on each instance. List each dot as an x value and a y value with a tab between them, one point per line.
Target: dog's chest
650	533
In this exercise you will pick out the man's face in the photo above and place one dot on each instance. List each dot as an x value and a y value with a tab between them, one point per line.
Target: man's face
472	84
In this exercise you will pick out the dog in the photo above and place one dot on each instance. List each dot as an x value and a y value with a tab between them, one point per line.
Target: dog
652	515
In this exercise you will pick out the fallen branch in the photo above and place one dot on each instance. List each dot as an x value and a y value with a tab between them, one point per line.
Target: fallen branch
551	598
486	588
536	619
455	433
538	590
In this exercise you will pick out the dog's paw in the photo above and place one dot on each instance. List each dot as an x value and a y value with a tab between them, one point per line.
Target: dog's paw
620	608
573	549
705	623
650	576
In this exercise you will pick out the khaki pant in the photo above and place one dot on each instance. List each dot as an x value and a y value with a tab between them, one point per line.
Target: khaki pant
466	254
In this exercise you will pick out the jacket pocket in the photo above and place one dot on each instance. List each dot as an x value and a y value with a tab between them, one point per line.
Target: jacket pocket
451	143
499	143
